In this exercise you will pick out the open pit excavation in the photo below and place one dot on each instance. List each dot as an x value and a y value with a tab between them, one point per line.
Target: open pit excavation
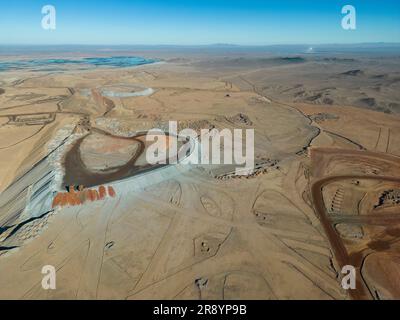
92	161
95	160
77	191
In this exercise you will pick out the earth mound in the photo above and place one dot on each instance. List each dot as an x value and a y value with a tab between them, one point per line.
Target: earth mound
100	152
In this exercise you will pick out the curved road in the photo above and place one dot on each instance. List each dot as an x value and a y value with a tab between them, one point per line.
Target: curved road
341	254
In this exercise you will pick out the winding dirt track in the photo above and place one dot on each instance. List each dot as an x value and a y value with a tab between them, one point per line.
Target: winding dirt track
341	254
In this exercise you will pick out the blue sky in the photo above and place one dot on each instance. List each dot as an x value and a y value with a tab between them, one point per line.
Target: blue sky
191	22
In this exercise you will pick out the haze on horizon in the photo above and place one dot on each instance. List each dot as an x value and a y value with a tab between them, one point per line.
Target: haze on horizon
178	22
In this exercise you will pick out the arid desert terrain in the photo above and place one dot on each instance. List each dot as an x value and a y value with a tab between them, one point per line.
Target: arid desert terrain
77	194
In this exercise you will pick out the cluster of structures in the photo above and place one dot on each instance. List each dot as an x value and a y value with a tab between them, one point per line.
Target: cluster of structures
77	196
337	200
389	197
259	169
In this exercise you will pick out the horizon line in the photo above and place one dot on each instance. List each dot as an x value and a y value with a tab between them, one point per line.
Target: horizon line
207	45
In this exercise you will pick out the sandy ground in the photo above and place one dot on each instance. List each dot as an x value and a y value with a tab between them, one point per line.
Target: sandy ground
205	233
